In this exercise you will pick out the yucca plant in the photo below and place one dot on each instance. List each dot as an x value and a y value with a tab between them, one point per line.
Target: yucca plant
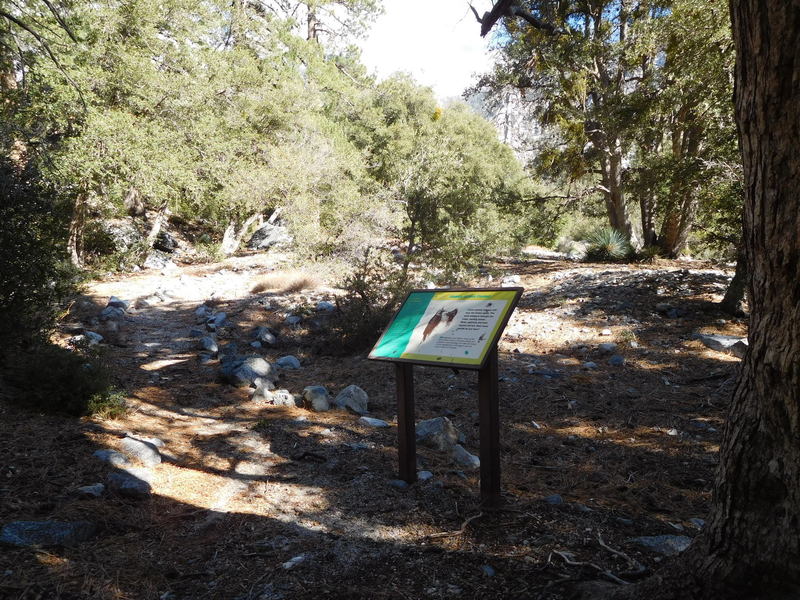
606	244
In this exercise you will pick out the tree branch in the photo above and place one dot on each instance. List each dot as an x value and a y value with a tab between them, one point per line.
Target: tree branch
510	8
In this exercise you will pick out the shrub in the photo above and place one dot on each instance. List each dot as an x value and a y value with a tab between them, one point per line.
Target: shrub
56	380
373	292
607	245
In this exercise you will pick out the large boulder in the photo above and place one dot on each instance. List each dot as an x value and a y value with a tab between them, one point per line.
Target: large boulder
353	398
165	242
271	235
243	372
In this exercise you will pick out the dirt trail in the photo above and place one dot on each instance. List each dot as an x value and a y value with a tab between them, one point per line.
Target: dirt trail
258	501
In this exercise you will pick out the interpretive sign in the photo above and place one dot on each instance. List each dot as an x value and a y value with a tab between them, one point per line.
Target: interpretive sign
450	328
456	328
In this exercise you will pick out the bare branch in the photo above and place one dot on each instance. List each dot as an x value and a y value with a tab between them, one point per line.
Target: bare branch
510	8
60	20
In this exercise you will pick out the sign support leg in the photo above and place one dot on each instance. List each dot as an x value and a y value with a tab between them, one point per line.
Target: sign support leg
406	434
489	411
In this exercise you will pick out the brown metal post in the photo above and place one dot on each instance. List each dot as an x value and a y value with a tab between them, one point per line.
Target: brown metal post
406	435
489	411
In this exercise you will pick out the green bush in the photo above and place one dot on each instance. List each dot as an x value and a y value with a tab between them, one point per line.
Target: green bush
373	291
607	245
35	275
56	380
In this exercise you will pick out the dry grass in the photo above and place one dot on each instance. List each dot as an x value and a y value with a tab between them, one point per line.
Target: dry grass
285	282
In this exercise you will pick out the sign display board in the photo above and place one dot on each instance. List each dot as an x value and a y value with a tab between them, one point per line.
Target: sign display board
456	328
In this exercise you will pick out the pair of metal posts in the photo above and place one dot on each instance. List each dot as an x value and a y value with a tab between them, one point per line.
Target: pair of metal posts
489	417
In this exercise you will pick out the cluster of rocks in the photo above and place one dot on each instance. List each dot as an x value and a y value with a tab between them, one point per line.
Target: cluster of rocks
730	344
131	476
110	321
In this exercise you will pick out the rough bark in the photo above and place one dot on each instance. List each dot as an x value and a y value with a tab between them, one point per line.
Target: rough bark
611	178
155	228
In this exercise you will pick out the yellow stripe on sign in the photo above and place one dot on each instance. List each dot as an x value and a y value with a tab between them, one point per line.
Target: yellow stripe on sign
444	359
499	295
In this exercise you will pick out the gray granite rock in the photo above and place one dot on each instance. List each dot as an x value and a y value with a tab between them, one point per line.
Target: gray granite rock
438	433
91	491
370	422
398	483
554	499
292	320
617	360
317	398
283	398
46	533
424	475
112	457
607	347
208	344
243	372
116	302
353	398
325	306
112	313
131	482
668	545
145	452
288	362
265	335
464	459
719	342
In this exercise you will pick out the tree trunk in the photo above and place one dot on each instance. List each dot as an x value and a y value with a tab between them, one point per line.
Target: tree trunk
232	238
733	302
76	226
155	228
618	216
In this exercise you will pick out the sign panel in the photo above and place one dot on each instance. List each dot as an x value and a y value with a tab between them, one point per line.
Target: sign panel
455	328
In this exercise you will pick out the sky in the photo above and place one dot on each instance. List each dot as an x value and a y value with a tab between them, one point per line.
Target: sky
437	41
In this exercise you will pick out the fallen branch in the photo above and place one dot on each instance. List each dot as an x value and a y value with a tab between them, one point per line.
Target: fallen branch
604	572
460	531
637	568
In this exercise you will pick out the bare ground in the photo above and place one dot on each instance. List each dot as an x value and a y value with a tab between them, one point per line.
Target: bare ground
246	487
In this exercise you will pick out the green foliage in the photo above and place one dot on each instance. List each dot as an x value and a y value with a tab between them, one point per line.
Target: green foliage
56	380
35	276
373	292
607	245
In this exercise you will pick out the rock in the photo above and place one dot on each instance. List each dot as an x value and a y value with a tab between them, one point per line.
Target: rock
119	235
607	347
112	457
488	570
325	306
208	344
267	337
511	280
203	313
293	320
157	259
131	483
353	398
196	333
668	545
283	398
672	432
317	398
697	522
255	344
46	533
271	235
554	499
148	301
399	484
663	308
438	433
617	360
424	475
117	303
112	313
91	491
464	459
204	358
218	320
292	563
738	349
245	372
145	452
370	422
605	332
288	362
720	343
165	242
589	365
